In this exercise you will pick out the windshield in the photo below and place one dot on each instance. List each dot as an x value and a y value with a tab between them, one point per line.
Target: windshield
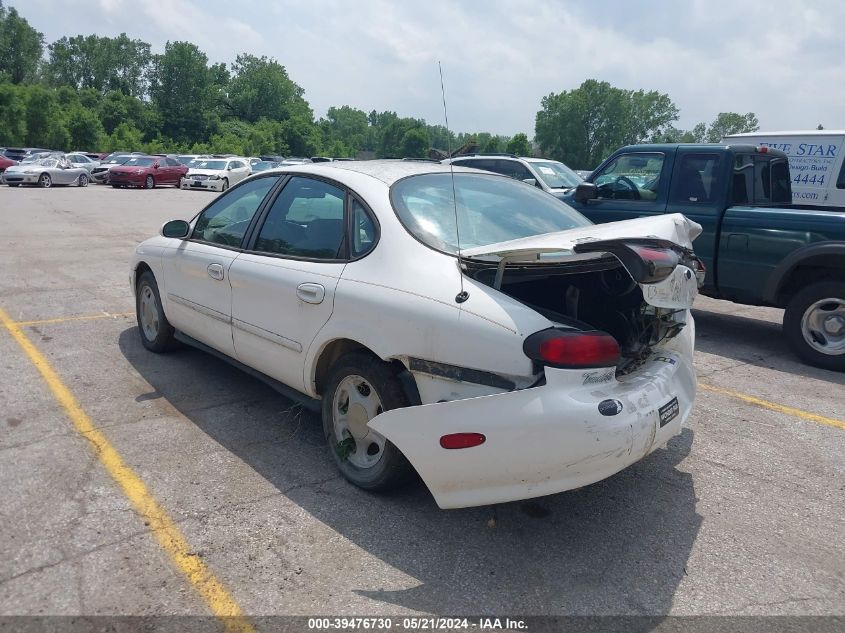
556	175
264	164
219	165
139	162
46	162
491	209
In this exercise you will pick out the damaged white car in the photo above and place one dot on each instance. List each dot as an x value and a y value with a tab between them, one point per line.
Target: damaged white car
545	355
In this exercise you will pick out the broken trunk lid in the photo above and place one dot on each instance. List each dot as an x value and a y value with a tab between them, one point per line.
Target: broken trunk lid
656	252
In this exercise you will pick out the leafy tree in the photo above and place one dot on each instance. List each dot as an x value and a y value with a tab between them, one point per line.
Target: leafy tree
100	63
519	145
345	127
84	127
12	115
731	123
392	135
20	47
126	137
260	88
184	90
492	146
582	126
301	136
415	143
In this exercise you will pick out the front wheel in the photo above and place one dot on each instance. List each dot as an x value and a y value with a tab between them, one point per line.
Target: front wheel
359	388
13	184
156	331
44	181
225	184
83	180
814	324
149	183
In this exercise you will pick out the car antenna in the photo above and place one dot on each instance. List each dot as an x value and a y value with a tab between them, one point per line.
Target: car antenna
463	295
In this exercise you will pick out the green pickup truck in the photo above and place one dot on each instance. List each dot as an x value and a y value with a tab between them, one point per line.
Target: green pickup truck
759	248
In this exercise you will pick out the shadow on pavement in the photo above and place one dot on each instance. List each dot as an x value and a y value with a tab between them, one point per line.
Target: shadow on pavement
752	341
617	547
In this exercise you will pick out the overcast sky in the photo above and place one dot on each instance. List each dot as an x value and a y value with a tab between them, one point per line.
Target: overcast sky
785	61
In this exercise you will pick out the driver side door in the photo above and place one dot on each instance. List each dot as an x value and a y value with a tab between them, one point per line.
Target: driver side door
632	185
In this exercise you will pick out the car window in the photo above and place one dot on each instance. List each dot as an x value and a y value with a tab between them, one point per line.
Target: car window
306	220
556	175
840	182
696	179
512	168
363	230
486	164
633	176
225	222
172	163
490	209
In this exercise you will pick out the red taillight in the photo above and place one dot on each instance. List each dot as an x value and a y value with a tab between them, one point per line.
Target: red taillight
462	440
572	350
763	149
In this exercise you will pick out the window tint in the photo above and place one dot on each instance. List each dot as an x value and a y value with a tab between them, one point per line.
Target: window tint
479	163
173	162
742	189
631	177
363	230
225	222
490	209
696	178
306	220
840	182
513	168
781	188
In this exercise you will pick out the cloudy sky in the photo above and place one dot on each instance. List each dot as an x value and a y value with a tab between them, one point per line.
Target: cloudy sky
785	61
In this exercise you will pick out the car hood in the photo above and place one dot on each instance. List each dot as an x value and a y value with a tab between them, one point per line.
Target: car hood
560	246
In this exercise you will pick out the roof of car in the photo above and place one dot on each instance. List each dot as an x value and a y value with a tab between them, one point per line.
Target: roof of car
388	171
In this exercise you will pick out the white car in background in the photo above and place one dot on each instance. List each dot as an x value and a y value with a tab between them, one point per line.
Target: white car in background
543	355
215	174
81	160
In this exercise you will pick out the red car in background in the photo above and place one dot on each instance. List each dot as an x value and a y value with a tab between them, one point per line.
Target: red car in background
147	172
6	162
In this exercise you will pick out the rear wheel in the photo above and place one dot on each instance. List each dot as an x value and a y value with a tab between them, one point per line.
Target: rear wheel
149	183
156	331
814	324
359	388
44	181
13	184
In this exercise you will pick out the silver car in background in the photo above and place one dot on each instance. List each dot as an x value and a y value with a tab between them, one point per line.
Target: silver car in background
46	172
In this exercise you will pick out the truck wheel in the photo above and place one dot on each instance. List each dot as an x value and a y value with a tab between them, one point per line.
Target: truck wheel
814	324
359	388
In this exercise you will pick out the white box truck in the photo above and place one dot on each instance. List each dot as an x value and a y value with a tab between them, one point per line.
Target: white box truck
816	163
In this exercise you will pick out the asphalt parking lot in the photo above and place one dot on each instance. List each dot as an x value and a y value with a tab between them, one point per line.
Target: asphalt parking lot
742	514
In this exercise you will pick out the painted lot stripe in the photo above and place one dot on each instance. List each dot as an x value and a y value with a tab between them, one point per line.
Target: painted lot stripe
168	535
105	315
773	406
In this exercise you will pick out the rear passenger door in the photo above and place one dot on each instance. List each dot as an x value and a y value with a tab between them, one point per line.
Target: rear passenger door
283	286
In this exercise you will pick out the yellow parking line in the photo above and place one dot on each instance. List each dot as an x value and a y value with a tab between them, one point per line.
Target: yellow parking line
105	315
773	406
168	535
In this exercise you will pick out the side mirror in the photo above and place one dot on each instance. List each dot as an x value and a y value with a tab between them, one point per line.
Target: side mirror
586	191
178	229
531	181
155	166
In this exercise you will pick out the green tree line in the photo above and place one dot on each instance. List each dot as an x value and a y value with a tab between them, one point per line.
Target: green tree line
113	93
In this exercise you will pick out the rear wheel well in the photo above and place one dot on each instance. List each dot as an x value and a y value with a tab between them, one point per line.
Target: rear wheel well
343	346
809	271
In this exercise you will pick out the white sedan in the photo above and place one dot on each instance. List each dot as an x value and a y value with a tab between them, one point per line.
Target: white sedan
543	355
215	174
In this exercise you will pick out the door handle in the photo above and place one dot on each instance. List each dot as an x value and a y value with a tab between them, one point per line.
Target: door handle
311	293
215	271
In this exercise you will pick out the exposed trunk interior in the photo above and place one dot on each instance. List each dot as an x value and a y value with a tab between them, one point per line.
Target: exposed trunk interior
597	294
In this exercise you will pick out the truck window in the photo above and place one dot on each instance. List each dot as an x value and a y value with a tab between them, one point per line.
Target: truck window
760	180
840	182
633	176
696	179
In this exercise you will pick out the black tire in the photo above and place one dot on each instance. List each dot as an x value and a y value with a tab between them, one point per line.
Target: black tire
163	339
115	186
13	184
392	469
794	332
83	180
44	181
150	183
225	184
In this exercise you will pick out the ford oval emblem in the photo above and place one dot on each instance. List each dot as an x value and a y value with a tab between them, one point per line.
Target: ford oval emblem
610	407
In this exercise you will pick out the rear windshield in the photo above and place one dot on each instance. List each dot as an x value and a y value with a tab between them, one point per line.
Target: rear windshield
490	209
556	175
139	162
